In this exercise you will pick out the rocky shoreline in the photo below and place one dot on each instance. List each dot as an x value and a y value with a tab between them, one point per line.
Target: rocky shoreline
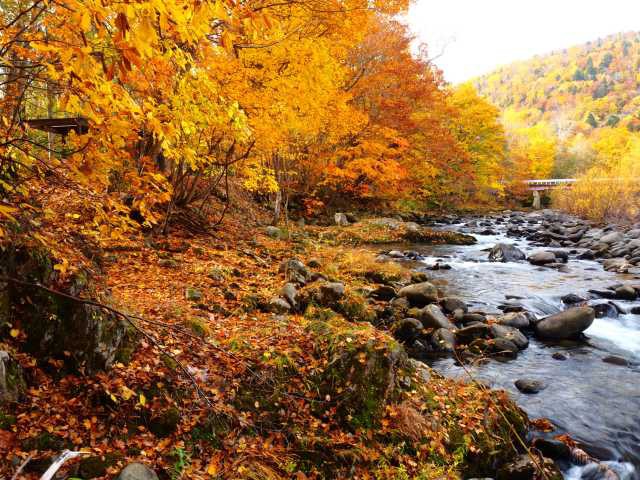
431	324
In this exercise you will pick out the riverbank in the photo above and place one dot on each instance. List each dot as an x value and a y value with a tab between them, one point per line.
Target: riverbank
197	368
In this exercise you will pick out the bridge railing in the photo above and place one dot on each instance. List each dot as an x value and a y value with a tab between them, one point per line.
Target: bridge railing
551	181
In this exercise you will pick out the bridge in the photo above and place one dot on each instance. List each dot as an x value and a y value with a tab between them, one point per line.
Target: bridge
537	186
546	184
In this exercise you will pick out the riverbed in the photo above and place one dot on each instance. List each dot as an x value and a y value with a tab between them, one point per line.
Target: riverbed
596	402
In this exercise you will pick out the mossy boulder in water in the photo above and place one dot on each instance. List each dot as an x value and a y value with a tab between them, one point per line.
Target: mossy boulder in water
87	338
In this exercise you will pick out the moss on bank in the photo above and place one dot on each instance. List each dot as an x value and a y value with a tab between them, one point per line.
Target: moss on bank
381	231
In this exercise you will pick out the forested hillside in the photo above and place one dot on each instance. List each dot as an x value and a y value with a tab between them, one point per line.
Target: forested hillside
579	108
575	92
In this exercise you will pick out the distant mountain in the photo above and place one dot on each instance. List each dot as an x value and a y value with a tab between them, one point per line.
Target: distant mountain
574	91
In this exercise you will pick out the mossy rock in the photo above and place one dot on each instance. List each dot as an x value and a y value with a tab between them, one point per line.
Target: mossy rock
199	327
193	294
211	430
93	467
7	420
384	278
45	441
365	372
355	308
165	423
99	339
12	383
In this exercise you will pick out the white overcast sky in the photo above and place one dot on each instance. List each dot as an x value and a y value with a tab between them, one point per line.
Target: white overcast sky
481	35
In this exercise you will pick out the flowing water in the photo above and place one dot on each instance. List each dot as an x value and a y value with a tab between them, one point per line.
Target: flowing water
596	402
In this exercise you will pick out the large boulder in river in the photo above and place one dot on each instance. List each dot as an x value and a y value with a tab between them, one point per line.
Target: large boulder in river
420	294
542	258
503	252
567	324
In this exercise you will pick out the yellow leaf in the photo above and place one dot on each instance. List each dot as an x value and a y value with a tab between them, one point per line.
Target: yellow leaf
14	332
126	392
214	465
87	423
142	400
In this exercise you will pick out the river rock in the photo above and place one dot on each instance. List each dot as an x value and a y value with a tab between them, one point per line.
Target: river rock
137	471
451	304
587	255
626	292
567	324
517	320
504	348
614	360
524	468
444	340
512	334
503	252
605	310
542	258
432	317
572	299
561	256
618	265
554	449
384	292
472	332
611	238
420	294
407	330
473	317
528	385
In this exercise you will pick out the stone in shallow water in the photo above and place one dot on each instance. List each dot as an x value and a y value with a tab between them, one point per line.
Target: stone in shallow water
542	258
530	386
503	252
614	360
572	299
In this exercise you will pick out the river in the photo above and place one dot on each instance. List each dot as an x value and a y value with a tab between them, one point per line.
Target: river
597	403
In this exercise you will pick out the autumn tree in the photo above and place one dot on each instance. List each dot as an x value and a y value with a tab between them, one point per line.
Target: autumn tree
478	129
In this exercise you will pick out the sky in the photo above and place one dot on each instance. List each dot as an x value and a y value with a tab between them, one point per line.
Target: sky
479	35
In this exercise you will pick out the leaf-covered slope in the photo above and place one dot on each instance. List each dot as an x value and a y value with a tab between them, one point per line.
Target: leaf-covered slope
576	90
